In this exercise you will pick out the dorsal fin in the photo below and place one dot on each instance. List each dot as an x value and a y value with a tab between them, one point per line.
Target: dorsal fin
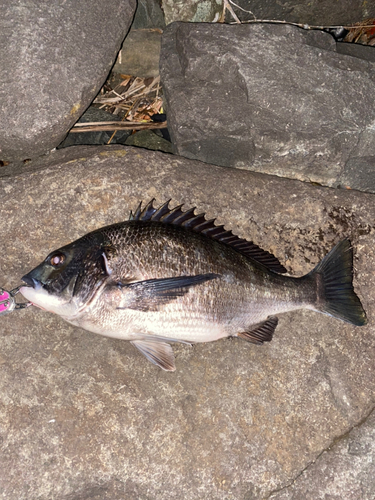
199	224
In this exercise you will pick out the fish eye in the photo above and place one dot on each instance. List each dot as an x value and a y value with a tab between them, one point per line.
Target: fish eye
57	259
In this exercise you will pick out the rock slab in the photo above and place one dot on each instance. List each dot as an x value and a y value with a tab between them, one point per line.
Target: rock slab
83	416
314	12
346	470
55	57
272	98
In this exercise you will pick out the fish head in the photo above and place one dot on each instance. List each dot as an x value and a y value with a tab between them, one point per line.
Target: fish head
69	278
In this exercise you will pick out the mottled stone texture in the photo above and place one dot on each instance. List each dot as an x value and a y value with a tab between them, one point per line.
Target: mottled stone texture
321	12
55	57
272	98
86	417
345	471
314	12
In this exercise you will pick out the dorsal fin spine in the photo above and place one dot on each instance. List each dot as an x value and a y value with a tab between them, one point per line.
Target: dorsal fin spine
148	211
198	223
185	216
173	214
161	211
195	221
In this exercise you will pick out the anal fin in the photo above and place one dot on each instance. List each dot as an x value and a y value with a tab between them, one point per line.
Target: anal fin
159	353
263	332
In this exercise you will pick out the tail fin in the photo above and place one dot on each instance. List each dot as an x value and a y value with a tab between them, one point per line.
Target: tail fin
334	279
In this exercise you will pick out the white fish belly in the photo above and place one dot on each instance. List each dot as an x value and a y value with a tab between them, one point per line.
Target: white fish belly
130	325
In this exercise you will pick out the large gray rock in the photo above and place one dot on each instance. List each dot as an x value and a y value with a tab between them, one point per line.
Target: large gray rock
314	12
321	12
270	98
82	416
345	471
55	57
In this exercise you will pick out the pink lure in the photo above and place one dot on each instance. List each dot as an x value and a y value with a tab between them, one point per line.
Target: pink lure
6	301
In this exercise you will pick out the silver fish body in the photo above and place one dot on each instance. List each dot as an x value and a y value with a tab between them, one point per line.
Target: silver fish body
172	276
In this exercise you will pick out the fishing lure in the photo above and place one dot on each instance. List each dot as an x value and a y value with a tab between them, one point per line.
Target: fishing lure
8	302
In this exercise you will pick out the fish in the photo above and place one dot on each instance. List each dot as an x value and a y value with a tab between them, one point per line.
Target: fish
170	275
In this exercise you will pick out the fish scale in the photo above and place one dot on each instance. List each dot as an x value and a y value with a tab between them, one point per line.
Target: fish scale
168	275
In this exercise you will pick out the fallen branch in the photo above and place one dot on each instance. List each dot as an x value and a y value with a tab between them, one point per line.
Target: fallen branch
302	25
108	126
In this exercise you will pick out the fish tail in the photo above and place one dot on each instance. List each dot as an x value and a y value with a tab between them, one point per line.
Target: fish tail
334	285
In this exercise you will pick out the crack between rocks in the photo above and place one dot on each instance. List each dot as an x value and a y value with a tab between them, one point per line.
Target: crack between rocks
334	442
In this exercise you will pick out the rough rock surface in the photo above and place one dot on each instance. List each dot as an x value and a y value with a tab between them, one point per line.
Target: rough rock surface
365	52
271	98
314	12
83	416
345	471
55	57
321	12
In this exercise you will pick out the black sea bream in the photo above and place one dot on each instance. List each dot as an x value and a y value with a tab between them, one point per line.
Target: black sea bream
166	275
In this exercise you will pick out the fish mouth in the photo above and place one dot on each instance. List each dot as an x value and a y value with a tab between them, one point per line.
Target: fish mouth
32	282
36	292
32	289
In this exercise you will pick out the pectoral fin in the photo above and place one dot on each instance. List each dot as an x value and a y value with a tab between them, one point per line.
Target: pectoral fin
149	295
262	332
159	353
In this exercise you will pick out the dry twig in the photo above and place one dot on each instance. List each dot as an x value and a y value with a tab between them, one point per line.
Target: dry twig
134	99
104	126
